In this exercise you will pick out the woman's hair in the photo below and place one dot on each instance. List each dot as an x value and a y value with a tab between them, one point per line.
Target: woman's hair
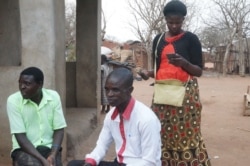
35	72
175	7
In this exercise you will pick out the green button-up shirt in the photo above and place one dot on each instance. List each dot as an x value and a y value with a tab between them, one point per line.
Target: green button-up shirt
37	121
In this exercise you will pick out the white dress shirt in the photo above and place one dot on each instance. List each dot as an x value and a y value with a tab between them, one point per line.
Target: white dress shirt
136	136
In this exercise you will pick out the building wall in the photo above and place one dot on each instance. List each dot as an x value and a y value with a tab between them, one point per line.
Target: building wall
71	84
42	45
10	33
140	55
83	92
88	43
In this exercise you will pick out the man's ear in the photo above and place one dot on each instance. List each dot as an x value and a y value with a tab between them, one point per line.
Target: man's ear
131	89
40	84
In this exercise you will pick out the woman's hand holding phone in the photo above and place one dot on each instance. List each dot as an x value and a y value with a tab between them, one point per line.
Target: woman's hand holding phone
171	56
177	60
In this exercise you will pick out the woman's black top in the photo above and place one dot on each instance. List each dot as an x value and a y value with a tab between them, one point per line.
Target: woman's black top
187	46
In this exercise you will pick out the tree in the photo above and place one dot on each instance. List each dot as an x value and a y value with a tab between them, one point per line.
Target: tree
149	20
233	17
104	25
210	37
70	31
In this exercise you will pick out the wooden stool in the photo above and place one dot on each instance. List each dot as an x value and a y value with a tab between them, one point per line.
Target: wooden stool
246	111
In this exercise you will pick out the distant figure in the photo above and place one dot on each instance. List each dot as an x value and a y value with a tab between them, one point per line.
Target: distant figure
106	68
132	126
179	57
36	122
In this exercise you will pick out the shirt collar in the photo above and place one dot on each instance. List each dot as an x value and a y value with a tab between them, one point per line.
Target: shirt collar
45	97
126	114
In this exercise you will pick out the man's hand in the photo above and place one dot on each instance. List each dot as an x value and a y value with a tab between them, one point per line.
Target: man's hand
144	74
45	163
51	160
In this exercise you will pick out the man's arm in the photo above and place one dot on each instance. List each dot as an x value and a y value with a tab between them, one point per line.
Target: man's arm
27	147
56	146
59	123
102	145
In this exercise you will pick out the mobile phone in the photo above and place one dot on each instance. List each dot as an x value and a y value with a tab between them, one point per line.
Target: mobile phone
169	56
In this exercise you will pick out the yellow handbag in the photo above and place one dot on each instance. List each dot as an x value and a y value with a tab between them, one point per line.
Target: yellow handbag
169	92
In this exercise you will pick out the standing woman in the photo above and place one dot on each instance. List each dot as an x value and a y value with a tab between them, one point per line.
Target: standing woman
182	142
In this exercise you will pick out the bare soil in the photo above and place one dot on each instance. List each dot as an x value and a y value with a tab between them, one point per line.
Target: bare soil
225	130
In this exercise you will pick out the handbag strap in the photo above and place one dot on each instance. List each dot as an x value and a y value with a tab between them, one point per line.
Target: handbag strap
188	81
156	52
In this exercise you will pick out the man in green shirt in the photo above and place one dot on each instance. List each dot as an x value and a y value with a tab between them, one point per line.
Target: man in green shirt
36	122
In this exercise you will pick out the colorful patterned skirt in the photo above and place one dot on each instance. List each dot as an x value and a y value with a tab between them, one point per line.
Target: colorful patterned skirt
182	143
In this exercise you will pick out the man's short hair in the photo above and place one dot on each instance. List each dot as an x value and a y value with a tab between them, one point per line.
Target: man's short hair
123	73
35	72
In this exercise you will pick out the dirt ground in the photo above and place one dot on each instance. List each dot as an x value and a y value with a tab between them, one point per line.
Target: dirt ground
225	130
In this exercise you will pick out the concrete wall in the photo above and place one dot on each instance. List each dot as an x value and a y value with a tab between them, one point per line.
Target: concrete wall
83	92
83	76
42	45
10	55
10	33
39	41
88	62
71	85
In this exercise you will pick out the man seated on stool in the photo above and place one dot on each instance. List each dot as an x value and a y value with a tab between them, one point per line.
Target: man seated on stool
132	126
